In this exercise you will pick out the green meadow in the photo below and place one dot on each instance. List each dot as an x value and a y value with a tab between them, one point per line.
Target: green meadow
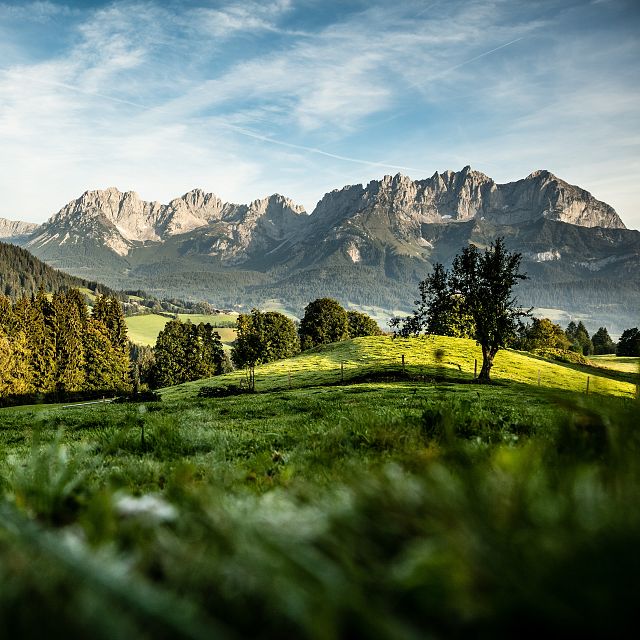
347	497
144	329
425	358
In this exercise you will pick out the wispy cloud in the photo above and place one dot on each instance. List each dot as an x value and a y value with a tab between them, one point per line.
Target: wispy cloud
41	11
242	17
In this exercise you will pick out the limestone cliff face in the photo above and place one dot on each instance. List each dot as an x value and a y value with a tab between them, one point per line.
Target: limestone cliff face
395	213
14	228
122	221
463	195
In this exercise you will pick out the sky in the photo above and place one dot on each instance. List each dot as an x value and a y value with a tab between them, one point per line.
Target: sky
300	97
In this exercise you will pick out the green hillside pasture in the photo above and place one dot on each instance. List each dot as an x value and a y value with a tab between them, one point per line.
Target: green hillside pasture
383	509
232	439
144	329
214	319
623	364
428	357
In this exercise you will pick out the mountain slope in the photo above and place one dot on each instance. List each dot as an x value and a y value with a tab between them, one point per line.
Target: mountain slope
22	274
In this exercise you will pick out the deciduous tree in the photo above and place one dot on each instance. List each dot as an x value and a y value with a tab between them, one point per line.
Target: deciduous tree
324	321
476	293
629	343
360	324
264	337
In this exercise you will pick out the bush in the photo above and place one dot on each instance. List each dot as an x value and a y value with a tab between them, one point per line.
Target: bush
561	355
223	391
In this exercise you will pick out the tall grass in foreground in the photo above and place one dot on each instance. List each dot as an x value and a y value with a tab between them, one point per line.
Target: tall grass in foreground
472	521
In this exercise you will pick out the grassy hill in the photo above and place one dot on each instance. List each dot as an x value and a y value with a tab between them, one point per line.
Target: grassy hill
428	357
388	507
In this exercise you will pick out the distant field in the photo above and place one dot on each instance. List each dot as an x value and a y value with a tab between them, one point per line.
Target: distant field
624	364
429	357
145	329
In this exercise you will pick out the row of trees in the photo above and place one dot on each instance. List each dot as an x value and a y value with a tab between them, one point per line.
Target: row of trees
268	336
52	344
183	352
542	333
55	345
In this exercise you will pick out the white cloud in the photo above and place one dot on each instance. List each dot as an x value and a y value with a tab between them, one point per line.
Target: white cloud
41	11
250	16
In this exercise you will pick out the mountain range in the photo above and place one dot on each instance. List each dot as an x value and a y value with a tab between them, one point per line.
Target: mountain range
366	245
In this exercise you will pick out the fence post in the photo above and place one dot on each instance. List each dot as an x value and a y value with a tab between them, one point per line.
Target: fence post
342	372
289	377
475	368
538	377
403	364
588	385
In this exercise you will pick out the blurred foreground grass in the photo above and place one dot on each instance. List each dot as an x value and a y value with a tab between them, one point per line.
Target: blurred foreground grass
404	509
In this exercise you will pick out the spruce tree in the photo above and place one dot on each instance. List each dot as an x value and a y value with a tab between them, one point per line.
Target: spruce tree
41	337
15	374
105	369
70	370
602	342
107	311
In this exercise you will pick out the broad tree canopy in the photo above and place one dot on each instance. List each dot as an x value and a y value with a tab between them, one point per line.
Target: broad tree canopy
474	298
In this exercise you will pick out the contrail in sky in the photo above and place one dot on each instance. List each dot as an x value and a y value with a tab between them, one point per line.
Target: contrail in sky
244	132
482	55
465	62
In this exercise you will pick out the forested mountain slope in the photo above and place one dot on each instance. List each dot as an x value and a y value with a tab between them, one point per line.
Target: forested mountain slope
22	274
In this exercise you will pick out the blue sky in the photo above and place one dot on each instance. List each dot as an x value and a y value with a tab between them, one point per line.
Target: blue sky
248	98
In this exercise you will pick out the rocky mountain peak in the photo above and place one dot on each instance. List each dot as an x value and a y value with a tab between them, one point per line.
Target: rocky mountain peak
10	229
463	195
392	209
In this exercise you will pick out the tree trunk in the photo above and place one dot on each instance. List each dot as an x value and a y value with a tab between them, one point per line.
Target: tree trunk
487	363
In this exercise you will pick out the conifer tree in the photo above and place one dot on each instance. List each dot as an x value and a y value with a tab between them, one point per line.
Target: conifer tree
41	335
70	371
105	369
602	342
107	312
15	374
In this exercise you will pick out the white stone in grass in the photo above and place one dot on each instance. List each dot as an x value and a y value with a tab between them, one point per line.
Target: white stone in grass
150	506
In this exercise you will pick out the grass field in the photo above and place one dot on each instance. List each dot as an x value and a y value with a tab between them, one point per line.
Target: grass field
617	363
394	507
144	329
438	357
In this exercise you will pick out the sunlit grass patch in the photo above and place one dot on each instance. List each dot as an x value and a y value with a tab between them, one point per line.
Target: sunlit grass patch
428	357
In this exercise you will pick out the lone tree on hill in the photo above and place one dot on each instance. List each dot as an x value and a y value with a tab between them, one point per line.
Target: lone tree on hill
324	321
477	295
